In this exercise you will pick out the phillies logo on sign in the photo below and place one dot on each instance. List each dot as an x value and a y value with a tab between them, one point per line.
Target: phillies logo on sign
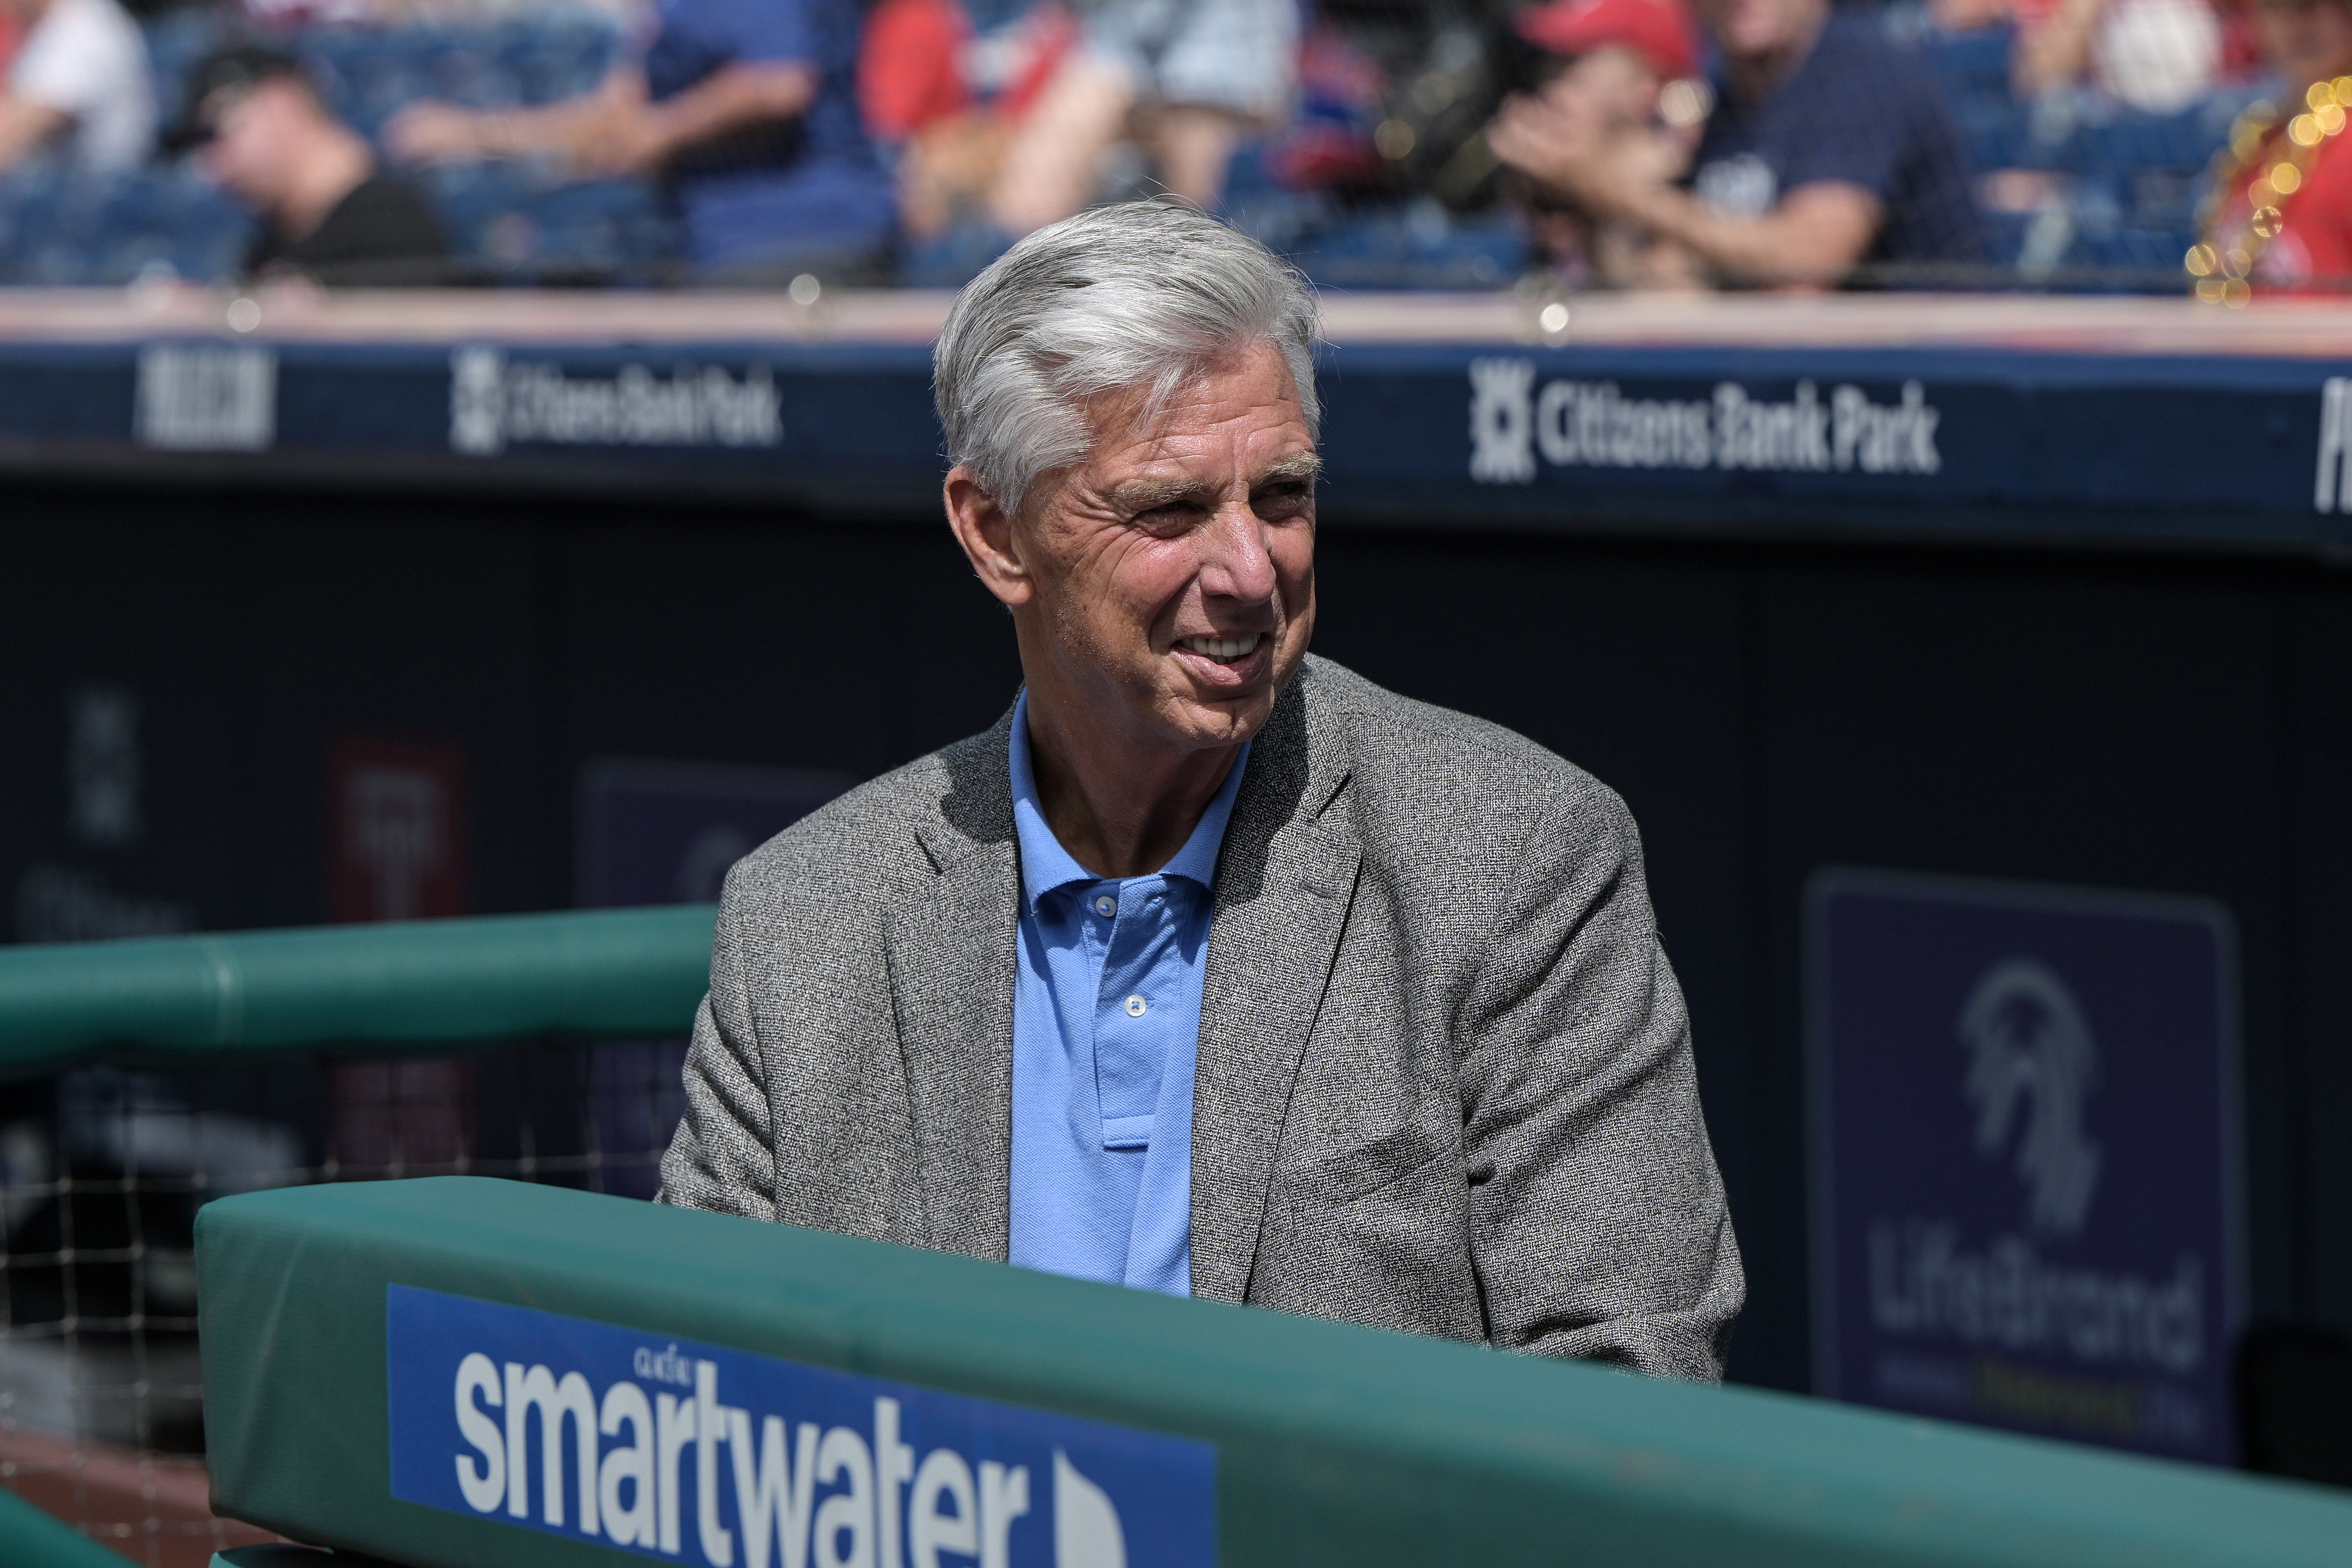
396	819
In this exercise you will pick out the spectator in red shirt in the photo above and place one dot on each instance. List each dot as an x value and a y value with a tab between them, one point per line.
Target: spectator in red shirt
908	73
947	132
2284	221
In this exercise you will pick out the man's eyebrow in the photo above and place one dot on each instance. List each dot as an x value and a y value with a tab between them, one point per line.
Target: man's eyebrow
1145	495
1306	465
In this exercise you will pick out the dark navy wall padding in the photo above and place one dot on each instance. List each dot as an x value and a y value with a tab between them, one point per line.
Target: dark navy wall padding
1776	678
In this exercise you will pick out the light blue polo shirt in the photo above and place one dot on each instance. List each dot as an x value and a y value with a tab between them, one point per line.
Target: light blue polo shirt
1105	1032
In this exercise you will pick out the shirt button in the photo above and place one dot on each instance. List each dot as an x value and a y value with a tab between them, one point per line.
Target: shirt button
1105	906
1136	1006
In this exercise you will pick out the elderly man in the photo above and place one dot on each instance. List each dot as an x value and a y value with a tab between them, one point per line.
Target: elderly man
1211	968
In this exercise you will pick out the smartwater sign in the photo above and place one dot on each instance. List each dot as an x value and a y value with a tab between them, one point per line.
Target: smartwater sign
702	1455
2024	1158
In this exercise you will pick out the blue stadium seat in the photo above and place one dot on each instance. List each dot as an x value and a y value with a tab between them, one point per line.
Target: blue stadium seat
2141	259
523	222
2138	180
1974	64
1999	134
2132	143
1418	246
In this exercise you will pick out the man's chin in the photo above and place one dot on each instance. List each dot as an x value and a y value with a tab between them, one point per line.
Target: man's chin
1225	716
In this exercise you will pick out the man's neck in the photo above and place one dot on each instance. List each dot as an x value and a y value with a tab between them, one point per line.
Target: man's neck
1120	808
1752	79
339	165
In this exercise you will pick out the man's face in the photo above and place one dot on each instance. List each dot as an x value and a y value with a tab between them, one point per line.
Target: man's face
1174	567
1759	29
1606	89
255	136
2308	40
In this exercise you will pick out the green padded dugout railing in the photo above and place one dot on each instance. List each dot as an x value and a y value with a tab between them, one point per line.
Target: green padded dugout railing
411	986
31	1539
408	1338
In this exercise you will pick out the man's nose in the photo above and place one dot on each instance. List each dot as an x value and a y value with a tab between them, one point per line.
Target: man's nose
1237	564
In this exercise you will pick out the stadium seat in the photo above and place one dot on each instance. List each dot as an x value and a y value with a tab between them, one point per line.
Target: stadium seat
1974	64
504	221
1418	246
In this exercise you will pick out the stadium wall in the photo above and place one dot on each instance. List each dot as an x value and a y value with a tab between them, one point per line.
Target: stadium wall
2169	723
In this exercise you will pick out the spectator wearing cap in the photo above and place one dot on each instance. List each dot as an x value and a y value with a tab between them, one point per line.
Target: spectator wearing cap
257	129
1602	65
79	86
744	110
1829	149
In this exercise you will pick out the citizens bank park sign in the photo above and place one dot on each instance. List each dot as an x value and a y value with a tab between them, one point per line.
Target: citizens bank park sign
1571	424
696	1453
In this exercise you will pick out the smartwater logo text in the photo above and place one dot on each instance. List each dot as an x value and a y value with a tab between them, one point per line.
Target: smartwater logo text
719	1458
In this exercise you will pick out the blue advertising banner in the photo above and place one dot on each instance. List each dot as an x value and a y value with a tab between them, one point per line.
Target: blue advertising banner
1952	441
667	833
716	1456
2024	1157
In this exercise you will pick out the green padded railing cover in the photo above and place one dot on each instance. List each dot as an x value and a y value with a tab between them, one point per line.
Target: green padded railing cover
1334	1445
399	985
31	1539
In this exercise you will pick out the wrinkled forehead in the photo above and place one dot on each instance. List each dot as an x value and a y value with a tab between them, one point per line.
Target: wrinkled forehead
1249	383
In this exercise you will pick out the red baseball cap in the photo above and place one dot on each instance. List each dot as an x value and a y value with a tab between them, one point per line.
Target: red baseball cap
1659	30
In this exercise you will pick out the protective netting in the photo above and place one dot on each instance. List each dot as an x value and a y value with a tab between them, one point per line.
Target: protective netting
102	1170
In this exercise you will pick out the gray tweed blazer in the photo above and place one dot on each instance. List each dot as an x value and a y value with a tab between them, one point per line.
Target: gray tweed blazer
1444	1079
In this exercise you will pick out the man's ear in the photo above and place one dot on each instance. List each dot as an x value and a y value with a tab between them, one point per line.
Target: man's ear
986	533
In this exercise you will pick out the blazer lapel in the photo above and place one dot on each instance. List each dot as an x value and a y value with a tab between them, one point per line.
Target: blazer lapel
1284	881
952	954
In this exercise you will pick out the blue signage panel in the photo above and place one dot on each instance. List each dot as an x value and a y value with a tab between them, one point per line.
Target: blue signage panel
2024	1158
664	833
719	1458
667	833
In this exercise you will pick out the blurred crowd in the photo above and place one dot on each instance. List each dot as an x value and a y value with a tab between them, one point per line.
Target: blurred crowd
1579	143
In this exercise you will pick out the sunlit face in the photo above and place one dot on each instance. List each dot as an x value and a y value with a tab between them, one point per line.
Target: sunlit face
252	150
1760	29
1173	569
2308	40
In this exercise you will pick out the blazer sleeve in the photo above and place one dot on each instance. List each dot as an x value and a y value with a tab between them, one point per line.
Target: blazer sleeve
722	1156
1597	1223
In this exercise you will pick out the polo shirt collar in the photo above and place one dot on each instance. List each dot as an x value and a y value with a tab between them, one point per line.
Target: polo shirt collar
1045	865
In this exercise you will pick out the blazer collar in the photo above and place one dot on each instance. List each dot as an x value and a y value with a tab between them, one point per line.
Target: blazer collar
1284	881
951	952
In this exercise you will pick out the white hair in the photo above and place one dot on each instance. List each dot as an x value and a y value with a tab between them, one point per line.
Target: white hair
1138	295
